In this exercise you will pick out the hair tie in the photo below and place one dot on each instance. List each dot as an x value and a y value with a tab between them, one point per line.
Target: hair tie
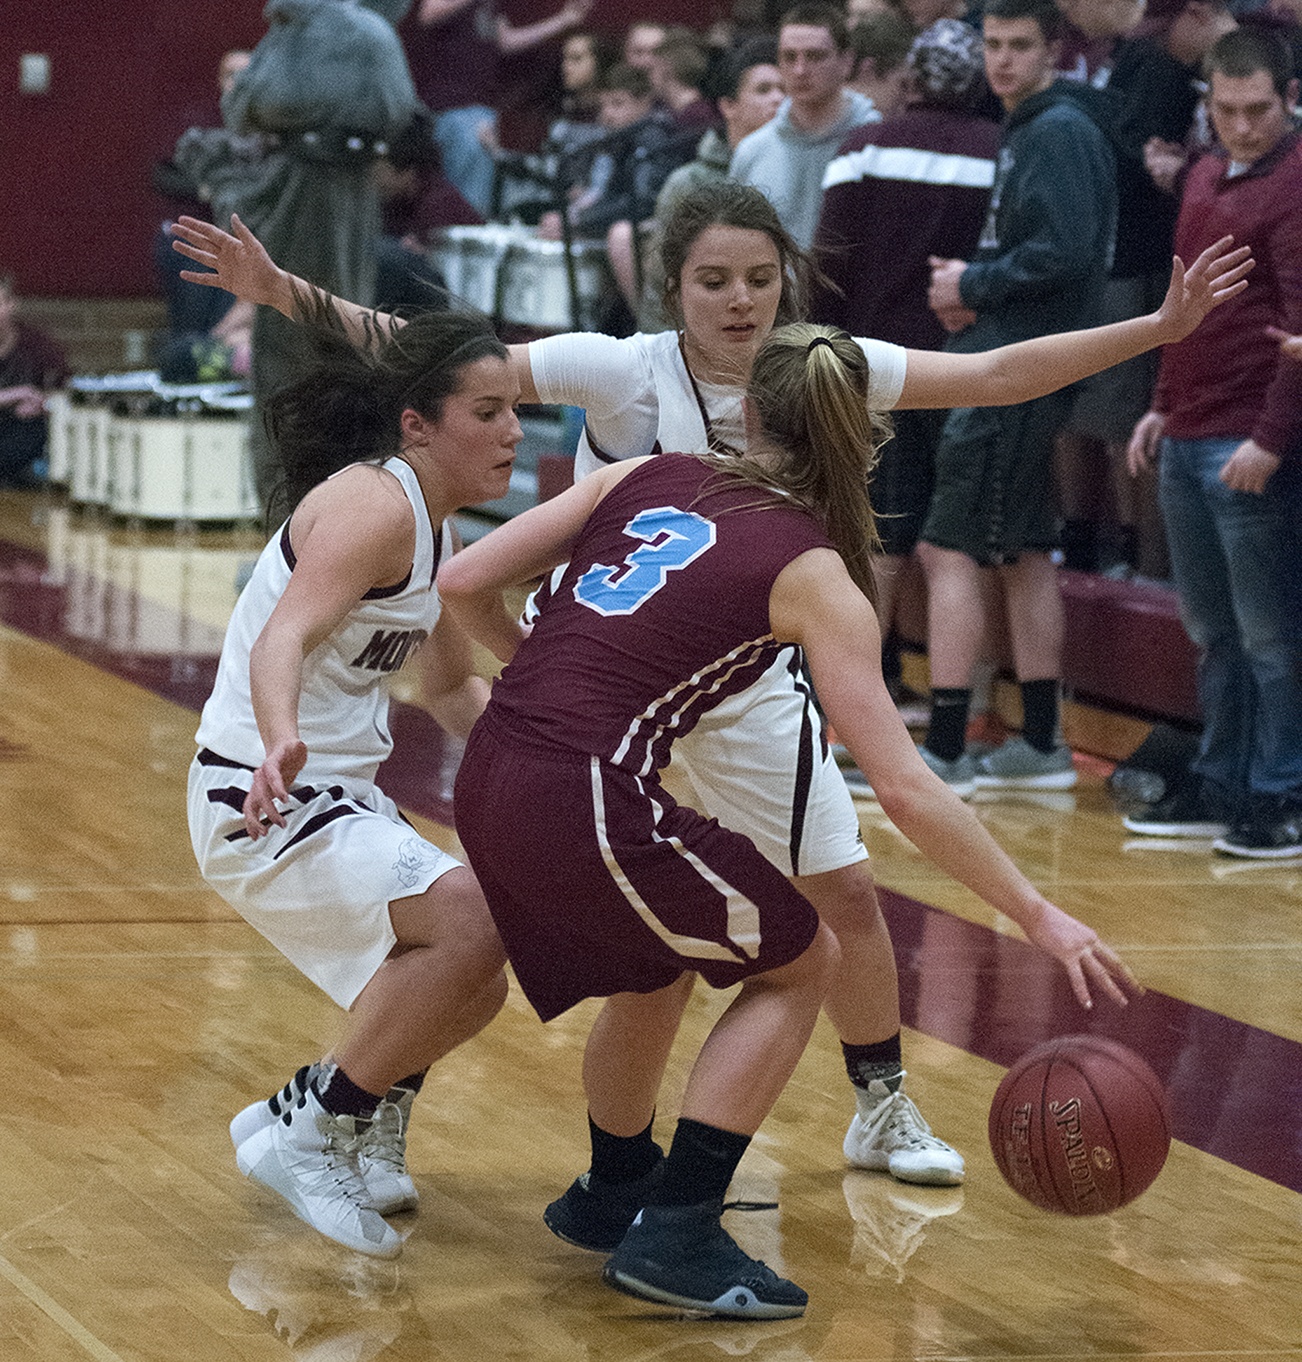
818	340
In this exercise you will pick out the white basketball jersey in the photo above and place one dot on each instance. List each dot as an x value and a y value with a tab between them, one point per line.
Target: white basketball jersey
343	711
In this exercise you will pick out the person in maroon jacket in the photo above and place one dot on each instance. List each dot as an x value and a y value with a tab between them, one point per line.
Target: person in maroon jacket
1227	423
931	166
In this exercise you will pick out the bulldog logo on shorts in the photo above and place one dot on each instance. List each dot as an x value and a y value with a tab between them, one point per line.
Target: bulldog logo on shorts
415	859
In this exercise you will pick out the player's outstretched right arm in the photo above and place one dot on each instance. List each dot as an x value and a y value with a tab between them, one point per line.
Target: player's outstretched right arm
815	603
238	262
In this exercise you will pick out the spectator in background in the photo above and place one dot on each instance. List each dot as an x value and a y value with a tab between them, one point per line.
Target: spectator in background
1041	263
416	200
677	72
931	167
1092	32
528	182
32	366
750	92
209	167
881	48
1110	520
455	48
641	147
786	158
1284	17
629	167
327	88
642	42
585	57
1227	425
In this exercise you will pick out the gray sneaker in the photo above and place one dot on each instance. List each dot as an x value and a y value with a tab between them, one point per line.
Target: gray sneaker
1016	765
959	774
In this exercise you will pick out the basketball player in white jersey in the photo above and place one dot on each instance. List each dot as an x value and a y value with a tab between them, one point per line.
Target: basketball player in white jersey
287	822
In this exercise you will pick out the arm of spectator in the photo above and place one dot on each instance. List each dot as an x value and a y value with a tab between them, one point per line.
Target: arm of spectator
1164	162
1278	426
1032	368
511	39
238	262
1249	468
1141	449
439	11
236	323
943	296
24	401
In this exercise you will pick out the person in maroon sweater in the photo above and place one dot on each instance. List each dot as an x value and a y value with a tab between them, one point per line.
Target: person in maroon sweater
1227	423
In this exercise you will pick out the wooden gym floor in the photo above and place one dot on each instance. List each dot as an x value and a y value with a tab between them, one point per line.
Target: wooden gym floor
139	1014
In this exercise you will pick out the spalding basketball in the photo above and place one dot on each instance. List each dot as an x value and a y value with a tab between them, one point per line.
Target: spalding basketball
1079	1126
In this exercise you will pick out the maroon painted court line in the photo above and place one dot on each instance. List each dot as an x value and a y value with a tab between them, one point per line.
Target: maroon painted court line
1235	1090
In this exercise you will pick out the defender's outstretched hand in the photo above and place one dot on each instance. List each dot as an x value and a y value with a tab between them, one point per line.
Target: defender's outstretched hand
1220	272
237	262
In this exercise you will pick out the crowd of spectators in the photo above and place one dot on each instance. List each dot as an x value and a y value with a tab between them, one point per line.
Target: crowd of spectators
960	177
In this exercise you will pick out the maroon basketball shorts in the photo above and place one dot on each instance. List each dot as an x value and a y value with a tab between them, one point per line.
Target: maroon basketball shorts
599	883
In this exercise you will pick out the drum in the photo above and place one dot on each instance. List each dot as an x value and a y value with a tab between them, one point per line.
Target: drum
88	430
535	290
185	457
470	261
58	407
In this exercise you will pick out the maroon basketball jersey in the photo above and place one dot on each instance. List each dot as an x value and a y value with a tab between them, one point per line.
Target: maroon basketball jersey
662	612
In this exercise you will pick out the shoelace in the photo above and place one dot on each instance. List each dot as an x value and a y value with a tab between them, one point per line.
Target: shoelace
386	1142
338	1155
904	1120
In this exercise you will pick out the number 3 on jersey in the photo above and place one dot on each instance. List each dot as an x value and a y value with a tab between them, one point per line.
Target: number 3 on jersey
673	538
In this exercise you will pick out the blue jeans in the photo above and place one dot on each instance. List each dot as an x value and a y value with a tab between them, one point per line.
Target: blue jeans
1236	561
465	162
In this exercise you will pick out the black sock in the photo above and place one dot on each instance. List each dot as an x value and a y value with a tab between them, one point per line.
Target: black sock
622	1158
701	1162
947	732
883	1060
1040	713
412	1082
340	1096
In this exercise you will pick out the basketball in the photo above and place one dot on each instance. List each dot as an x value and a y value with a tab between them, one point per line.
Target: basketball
1079	1126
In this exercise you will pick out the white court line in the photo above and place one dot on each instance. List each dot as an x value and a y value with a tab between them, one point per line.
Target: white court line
47	1305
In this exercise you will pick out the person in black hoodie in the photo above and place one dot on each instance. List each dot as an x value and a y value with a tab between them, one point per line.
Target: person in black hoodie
1042	261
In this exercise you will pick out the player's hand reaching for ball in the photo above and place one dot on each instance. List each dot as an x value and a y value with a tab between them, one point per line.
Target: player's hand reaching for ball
1091	964
271	782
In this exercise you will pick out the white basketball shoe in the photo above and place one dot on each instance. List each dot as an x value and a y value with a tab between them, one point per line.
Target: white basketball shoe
382	1156
309	1157
889	1134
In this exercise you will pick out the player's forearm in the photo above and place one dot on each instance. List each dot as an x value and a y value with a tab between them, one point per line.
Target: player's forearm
1032	368
275	681
949	834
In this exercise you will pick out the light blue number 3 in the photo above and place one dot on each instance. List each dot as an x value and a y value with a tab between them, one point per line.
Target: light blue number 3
673	538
